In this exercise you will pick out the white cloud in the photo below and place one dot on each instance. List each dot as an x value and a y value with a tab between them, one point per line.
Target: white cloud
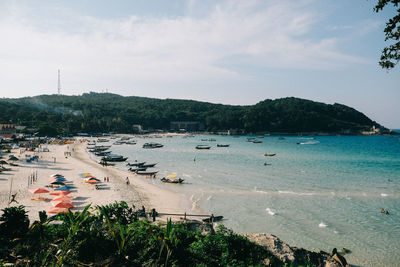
95	52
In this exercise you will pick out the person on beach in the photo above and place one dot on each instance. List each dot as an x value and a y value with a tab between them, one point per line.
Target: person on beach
108	179
13	199
127	181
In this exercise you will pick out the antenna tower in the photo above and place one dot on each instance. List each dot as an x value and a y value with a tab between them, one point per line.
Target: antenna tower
59	83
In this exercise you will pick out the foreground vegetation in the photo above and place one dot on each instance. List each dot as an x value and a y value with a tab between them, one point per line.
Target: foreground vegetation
94	112
113	235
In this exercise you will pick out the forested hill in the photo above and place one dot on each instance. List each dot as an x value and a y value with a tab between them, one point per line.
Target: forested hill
105	112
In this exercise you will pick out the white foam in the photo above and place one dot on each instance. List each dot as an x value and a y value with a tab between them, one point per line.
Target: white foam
309	143
286	192
322	225
384	195
209	197
336	232
270	212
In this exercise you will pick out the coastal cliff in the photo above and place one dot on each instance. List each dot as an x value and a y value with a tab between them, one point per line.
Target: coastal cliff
294	256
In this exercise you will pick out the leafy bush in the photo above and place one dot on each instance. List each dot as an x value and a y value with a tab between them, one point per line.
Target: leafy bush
14	222
114	237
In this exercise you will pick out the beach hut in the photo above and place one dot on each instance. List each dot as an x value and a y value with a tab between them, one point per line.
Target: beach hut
62	204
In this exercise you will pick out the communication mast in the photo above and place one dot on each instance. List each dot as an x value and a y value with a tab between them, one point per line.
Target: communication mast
59	83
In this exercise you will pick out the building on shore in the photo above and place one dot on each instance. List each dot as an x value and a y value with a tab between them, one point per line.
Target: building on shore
186	126
7	131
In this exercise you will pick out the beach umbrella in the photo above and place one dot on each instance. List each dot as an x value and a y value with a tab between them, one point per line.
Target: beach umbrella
84	174
62	188
88	177
57	174
39	190
92	178
62	198
58	179
13	158
3	162
92	181
171	176
60	193
55	180
62	204
58	210
57	183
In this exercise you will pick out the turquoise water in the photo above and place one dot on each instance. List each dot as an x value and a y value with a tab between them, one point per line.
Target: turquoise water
323	194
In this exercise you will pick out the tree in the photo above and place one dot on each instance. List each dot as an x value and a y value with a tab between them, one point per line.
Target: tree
391	54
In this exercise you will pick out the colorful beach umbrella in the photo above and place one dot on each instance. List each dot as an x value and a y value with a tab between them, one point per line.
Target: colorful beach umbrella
57	174
57	183
58	210
92	181
92	178
88	177
62	198
84	174
62	188
39	190
171	176
62	204
58	178
60	193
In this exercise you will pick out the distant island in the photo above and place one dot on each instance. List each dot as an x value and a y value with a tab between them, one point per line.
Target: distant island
53	115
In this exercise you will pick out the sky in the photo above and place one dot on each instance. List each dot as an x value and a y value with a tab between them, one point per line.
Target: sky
230	52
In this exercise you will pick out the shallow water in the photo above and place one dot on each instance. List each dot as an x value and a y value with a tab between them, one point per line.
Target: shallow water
322	193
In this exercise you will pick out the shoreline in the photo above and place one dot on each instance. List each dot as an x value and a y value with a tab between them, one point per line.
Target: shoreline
139	192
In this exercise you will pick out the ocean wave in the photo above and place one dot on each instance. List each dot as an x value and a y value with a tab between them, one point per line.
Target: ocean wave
384	195
296	193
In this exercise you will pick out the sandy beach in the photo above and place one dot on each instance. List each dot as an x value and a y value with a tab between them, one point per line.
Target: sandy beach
139	192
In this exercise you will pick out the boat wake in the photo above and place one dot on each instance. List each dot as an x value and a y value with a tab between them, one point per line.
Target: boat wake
309	143
270	212
322	225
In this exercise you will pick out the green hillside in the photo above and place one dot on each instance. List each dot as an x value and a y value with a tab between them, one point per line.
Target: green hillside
105	112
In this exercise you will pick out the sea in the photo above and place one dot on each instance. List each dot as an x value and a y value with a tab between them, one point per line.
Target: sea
318	193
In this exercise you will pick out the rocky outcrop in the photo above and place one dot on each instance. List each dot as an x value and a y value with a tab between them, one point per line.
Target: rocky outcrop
294	256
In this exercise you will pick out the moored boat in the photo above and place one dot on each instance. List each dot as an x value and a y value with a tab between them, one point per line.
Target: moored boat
152	145
136	163
172	181
203	147
150	165
114	158
146	172
269	155
222	145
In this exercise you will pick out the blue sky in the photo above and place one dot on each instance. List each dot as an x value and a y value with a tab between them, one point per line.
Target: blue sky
231	52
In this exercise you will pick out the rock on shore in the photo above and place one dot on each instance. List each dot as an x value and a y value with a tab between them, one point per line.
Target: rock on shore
292	255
